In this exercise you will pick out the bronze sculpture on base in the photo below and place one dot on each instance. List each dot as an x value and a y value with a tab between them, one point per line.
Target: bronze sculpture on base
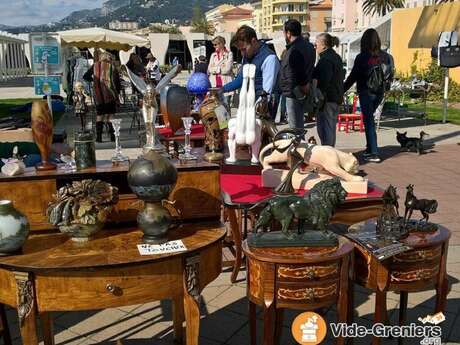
312	213
214	139
425	206
389	223
152	177
42	131
295	159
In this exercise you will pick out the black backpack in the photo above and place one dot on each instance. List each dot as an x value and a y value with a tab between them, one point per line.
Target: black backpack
376	79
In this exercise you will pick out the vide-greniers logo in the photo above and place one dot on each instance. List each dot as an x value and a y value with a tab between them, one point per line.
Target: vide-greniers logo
309	328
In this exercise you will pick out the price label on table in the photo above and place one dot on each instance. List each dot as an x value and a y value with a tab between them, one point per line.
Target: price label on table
165	248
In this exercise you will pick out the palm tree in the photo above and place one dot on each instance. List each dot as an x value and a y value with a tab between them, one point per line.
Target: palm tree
382	7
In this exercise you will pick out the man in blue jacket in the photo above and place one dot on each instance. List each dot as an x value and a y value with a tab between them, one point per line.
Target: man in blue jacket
259	54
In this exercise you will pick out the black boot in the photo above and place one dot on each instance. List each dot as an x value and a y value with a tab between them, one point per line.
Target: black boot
111	131
99	127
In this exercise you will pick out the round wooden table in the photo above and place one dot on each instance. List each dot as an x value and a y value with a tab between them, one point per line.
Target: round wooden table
56	274
422	268
304	278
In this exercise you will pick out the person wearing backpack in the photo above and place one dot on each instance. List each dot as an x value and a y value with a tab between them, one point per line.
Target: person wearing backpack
369	73
328	76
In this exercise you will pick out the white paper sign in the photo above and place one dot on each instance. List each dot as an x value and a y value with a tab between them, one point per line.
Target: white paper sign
165	248
222	116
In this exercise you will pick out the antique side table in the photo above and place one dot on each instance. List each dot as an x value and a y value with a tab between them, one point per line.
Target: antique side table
305	278
55	274
241	191
422	268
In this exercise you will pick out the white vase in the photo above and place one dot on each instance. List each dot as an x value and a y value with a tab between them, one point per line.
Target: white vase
14	228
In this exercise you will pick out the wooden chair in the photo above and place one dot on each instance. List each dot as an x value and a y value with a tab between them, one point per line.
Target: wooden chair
346	121
4	330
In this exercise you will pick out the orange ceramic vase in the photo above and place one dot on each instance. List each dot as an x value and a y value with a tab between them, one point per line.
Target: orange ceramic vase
42	131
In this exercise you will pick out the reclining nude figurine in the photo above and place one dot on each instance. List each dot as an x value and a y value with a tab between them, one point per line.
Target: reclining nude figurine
324	162
245	129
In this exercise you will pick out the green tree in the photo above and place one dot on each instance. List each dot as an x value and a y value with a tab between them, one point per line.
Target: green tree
199	22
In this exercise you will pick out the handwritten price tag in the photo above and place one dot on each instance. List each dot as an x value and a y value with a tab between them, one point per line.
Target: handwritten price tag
165	248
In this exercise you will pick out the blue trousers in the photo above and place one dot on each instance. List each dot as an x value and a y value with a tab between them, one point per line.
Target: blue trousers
369	104
294	110
326	123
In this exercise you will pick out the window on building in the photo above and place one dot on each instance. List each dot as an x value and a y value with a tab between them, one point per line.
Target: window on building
291	8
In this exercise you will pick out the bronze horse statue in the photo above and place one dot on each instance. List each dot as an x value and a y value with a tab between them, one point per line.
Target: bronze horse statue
425	206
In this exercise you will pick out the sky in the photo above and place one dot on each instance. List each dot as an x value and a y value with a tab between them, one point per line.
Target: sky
34	12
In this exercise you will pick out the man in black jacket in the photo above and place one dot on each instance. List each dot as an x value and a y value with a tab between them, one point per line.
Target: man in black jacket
295	73
328	75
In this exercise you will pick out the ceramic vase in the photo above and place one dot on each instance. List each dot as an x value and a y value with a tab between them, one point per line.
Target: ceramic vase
152	177
42	131
14	228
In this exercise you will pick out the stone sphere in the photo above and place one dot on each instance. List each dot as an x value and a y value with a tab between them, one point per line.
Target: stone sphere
198	83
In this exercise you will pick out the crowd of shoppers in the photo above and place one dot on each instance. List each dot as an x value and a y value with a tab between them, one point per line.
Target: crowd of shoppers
312	77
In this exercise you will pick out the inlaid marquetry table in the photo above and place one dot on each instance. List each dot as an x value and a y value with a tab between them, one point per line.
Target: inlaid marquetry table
422	268
304	278
55	274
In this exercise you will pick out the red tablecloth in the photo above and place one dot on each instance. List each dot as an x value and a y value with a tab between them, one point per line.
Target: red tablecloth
197	131
247	189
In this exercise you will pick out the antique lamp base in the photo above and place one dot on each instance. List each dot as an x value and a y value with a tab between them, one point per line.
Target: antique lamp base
310	238
213	156
45	166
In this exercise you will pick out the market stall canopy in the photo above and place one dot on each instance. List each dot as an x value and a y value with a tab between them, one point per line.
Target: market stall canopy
432	21
102	38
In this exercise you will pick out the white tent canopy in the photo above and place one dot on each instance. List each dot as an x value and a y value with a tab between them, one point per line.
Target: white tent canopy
102	38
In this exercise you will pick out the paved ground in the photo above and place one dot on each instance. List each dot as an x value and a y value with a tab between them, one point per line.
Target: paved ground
224	307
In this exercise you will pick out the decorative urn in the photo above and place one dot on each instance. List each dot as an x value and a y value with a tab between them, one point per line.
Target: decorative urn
152	177
14	228
82	208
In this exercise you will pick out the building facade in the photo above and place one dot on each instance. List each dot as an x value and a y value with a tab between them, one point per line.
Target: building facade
228	18
320	15
257	17
348	15
272	14
123	26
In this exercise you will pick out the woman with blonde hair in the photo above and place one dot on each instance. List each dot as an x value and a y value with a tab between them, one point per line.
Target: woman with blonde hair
220	68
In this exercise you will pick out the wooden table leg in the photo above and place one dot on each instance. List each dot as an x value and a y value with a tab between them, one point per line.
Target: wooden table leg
178	319
269	312
343	304
279	315
4	329
236	234
27	310
47	327
442	285
192	300
402	312
252	323
380	313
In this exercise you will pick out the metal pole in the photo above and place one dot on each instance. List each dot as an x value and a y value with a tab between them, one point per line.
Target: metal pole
446	95
45	64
